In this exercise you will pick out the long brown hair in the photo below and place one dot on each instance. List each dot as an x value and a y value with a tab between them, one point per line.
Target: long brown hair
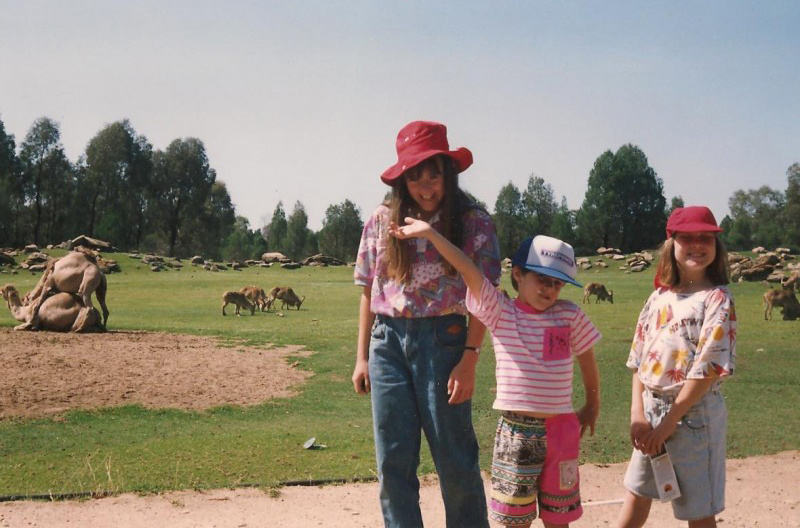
668	274
454	204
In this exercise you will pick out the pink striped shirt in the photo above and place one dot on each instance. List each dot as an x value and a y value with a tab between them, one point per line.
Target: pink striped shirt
534	350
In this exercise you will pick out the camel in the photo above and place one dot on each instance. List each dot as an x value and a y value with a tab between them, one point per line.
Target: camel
73	273
61	312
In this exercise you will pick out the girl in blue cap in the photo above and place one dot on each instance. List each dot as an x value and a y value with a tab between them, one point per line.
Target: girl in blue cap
536	338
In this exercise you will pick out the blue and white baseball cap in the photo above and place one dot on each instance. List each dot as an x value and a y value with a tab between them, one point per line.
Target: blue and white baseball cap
547	256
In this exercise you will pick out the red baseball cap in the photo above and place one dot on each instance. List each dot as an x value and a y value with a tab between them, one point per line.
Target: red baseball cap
691	220
420	140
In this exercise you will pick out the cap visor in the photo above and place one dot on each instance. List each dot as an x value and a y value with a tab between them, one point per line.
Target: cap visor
555	274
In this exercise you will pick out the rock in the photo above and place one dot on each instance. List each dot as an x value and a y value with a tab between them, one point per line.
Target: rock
776	276
7	260
323	260
274	257
291	265
93	243
757	273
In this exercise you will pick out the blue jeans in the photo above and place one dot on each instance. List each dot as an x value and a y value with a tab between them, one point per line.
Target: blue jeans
409	365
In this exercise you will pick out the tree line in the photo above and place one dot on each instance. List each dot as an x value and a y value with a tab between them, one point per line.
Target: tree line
171	202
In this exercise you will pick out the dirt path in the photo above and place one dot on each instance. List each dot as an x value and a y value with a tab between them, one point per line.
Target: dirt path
761	492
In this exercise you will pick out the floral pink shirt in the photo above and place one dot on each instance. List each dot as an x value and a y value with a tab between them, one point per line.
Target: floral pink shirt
684	336
431	291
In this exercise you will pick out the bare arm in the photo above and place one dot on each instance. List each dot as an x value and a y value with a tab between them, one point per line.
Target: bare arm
365	319
461	384
587	415
414	228
640	427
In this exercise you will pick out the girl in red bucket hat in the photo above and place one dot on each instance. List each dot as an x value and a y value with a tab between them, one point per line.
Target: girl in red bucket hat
417	346
683	348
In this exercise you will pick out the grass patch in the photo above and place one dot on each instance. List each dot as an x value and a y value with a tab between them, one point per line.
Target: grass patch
135	449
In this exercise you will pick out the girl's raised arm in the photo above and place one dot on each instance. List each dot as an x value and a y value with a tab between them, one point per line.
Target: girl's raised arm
414	228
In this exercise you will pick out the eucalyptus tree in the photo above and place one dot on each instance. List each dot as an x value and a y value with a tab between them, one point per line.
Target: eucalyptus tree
790	219
297	233
243	243
42	159
275	231
119	166
756	218
624	204
12	198
508	219
182	181
564	223
341	231
538	206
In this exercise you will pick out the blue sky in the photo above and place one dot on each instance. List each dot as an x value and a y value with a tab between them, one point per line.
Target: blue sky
302	100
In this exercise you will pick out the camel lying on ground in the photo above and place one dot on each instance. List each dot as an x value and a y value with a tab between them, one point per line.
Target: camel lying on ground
73	273
239	300
61	312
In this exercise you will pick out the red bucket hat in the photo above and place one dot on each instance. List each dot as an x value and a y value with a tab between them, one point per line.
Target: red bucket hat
691	219
420	140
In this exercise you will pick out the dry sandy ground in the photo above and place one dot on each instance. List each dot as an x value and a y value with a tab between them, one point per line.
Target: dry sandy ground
761	492
46	374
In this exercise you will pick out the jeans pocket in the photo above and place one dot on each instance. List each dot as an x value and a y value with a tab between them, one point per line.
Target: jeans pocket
450	334
693	420
378	330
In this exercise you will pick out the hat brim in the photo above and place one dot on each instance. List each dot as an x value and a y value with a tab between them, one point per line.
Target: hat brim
541	270
461	156
694	227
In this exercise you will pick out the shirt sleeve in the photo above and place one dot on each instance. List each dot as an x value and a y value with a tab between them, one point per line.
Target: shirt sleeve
584	334
487	307
366	259
637	346
716	349
480	244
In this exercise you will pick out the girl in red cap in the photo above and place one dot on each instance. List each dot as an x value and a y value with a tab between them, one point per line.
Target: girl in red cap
417	347
683	347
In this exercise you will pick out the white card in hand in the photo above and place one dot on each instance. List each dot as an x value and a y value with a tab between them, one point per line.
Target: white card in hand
666	481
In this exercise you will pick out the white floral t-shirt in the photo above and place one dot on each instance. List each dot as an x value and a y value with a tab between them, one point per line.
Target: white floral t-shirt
684	336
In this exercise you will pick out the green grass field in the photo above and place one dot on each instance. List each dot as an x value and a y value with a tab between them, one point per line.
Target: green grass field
134	449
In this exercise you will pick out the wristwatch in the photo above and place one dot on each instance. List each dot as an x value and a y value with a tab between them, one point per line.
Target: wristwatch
476	349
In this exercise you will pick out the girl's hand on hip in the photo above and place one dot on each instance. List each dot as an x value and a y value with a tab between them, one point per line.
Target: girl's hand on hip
461	384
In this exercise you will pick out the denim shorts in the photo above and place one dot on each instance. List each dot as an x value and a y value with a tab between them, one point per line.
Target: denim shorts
697	450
